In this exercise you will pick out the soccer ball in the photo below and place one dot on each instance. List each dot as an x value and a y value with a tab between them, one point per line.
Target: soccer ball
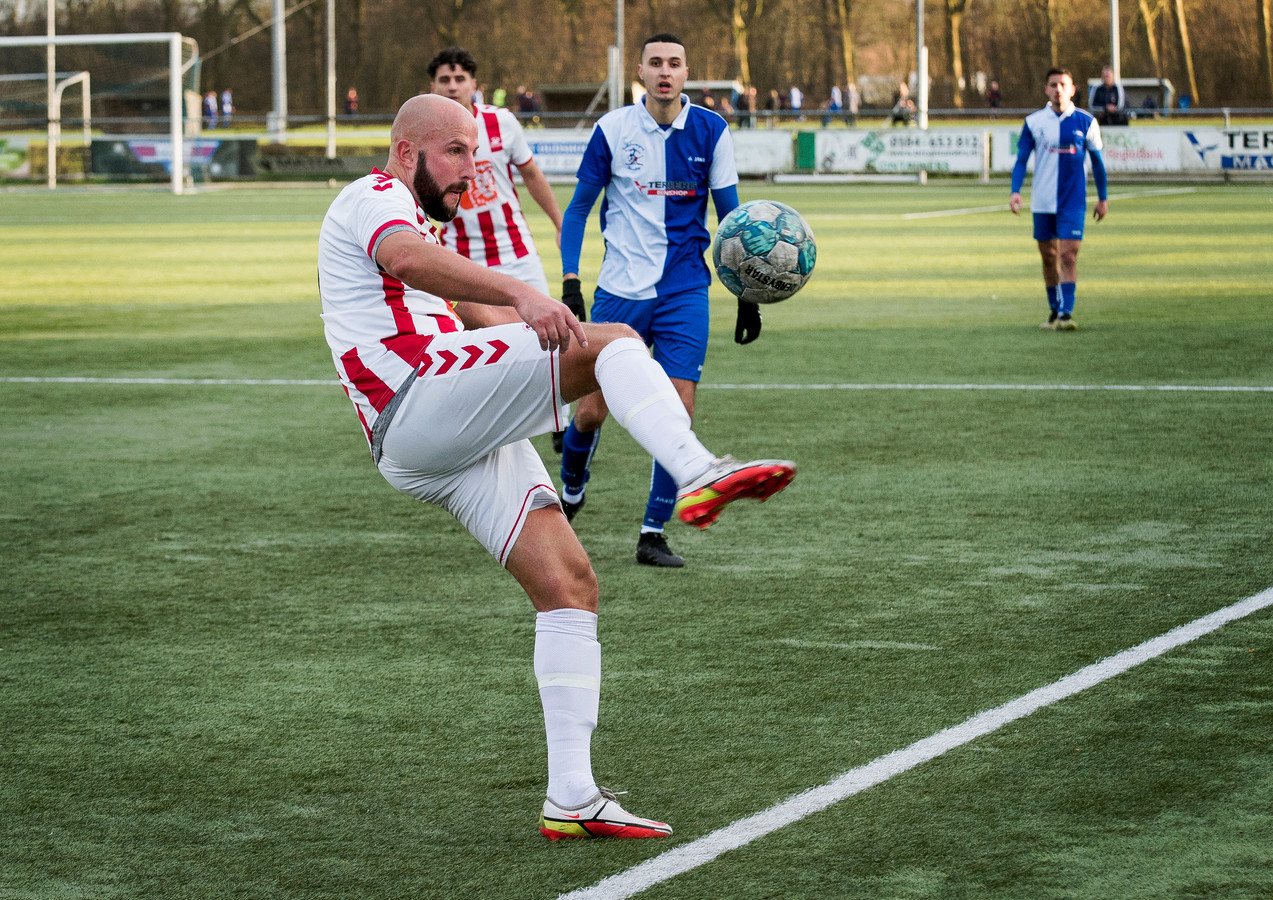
764	251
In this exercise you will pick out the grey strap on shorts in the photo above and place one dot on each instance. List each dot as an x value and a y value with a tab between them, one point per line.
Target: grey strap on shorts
385	419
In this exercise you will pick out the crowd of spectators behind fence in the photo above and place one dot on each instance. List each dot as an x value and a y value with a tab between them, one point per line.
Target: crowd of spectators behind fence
744	107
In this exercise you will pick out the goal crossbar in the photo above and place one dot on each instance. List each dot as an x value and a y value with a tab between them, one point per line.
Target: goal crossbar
171	38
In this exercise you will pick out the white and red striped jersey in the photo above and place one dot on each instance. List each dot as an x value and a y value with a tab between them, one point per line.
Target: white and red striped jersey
489	227
377	327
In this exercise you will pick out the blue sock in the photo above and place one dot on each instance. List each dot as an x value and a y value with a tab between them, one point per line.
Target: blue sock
577	448
1067	297
662	498
1054	297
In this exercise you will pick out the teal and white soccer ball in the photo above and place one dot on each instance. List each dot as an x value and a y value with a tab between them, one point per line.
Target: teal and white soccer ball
764	251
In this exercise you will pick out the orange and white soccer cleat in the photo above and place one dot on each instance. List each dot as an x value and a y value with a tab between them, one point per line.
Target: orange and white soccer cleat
600	817
701	501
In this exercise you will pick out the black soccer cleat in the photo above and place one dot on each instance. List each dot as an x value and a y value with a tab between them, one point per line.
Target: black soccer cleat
559	438
572	509
652	550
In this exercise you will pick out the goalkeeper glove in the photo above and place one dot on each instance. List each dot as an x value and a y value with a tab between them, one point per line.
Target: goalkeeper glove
747	328
572	296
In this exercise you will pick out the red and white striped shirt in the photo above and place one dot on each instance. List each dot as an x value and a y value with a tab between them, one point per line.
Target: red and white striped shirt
489	227
377	327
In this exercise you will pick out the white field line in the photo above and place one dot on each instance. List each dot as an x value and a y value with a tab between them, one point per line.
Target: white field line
973	210
742	832
321	382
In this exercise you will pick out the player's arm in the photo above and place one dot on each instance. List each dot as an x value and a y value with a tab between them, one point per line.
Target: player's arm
1025	146
411	259
573	223
1102	183
537	184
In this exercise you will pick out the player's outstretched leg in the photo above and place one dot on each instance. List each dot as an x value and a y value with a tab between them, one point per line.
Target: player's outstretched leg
700	502
602	816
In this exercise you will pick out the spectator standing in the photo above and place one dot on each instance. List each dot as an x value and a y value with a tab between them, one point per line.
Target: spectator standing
227	108
1108	100
852	104
1061	136
994	98
903	112
796	101
834	104
351	102
210	110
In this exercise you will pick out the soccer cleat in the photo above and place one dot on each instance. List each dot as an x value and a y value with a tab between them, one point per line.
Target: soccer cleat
652	550
572	509
701	501
602	816
1065	323
1050	324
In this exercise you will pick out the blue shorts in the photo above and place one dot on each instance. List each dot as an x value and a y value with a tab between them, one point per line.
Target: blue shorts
674	326
1066	226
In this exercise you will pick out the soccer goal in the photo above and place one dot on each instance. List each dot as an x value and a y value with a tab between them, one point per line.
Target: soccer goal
162	80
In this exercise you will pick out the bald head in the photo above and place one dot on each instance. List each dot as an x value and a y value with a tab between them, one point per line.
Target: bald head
421	117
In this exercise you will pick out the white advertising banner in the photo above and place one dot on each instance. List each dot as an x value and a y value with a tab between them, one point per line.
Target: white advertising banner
763	151
900	150
1127	149
558	150
756	151
1227	149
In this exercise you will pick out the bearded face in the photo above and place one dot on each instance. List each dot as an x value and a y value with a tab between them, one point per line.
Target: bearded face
433	196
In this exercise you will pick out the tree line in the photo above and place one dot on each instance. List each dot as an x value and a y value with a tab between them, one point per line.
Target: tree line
1218	51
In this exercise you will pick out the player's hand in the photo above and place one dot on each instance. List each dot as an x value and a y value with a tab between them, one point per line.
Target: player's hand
551	321
747	327
572	296
1102	208
1014	204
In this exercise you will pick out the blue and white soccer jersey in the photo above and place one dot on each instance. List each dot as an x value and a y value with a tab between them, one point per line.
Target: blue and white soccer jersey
1061	144
662	179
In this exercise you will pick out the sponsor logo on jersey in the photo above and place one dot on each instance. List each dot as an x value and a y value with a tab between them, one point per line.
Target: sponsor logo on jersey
668	188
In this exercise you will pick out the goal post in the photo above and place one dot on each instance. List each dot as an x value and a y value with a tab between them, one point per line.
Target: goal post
174	41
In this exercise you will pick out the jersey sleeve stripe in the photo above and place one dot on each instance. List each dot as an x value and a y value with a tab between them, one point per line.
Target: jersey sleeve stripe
383	232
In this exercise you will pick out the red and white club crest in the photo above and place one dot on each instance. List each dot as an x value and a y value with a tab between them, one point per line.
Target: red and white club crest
482	190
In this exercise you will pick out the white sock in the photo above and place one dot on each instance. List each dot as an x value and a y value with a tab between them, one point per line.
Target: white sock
643	401
568	667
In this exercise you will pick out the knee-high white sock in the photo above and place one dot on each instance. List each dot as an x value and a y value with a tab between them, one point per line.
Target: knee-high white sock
643	400
568	667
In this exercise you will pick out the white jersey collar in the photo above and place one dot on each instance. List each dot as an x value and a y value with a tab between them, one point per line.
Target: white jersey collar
647	120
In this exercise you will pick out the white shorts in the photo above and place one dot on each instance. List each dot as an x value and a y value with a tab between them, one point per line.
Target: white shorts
528	270
459	439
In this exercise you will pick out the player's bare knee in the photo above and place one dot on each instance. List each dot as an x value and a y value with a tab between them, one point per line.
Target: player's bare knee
570	586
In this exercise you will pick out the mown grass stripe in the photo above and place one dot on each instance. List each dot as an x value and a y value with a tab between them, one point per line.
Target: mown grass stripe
742	832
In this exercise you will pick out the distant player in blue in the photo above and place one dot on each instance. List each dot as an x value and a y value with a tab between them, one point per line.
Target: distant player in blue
657	160
1061	137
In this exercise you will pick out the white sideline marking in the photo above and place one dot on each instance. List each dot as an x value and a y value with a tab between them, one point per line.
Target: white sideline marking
323	382
705	849
1000	207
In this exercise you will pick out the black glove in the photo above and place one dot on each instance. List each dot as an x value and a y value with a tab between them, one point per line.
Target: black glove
747	328
572	296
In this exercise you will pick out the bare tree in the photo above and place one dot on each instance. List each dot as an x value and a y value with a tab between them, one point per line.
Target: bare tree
739	14
844	8
1150	17
1183	27
955	11
1266	42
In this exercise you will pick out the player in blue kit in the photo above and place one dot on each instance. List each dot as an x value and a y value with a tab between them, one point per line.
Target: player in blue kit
657	161
1061	137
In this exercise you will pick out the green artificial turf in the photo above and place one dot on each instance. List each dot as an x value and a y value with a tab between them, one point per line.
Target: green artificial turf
235	663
